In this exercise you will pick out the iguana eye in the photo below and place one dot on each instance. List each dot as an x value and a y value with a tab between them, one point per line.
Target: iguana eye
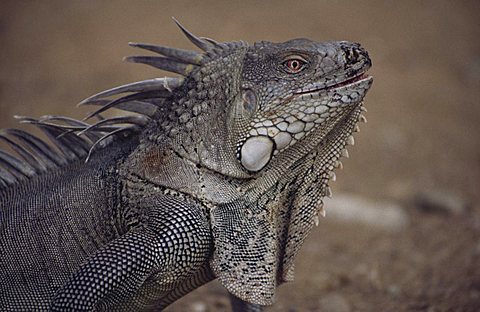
295	64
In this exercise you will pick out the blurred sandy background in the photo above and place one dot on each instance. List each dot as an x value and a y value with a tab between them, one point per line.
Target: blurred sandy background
419	152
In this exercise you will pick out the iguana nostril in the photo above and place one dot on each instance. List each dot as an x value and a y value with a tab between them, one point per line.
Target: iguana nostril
352	55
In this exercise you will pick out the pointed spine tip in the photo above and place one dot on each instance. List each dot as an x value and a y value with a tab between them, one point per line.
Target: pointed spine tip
328	192
199	42
321	210
339	165
333	176
351	140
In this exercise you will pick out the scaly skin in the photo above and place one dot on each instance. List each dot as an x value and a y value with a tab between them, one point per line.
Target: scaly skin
221	176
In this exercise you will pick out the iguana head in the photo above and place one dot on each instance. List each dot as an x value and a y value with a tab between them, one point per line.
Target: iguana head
264	126
292	89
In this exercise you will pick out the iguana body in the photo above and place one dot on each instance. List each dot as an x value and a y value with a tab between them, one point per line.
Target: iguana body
221	175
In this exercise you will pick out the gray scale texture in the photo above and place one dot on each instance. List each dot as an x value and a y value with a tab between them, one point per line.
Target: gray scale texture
219	173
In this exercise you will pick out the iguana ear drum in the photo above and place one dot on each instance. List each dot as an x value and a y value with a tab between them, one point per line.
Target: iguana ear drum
249	101
256	152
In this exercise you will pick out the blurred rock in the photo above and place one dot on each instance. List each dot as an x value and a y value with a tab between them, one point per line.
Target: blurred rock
399	189
198	307
383	215
436	201
394	290
334	302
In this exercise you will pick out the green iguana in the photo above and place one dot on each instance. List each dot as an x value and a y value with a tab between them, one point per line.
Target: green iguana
218	173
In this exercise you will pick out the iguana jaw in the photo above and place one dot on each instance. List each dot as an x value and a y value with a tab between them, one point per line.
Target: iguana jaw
316	106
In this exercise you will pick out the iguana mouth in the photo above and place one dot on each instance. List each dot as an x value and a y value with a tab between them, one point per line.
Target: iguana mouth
361	76
335	85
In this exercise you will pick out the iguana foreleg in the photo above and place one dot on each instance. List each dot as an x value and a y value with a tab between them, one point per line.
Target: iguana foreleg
174	243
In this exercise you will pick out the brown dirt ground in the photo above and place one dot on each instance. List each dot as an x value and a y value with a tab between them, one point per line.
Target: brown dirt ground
423	130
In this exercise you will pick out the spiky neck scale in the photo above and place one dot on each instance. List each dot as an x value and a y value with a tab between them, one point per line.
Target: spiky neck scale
197	122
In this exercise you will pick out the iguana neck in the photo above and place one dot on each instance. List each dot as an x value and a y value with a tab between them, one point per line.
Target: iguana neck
191	124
